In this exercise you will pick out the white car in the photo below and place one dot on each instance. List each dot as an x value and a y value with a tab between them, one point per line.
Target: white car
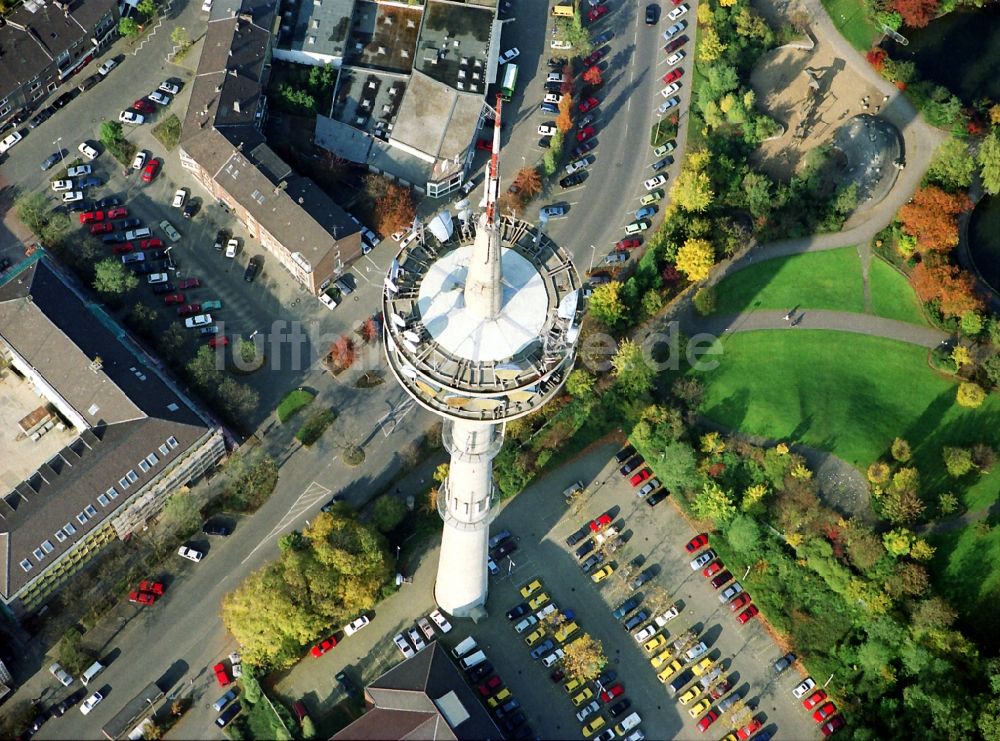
131	117
190	553
169	88
674	30
154	278
425	628
649	488
328	301
630	722
553	98
729	592
206	6
231	246
646	633
10	141
678	12
526	623
674	58
803	687
75	172
403	646
547	129
88	151
695	651
107	67
159	98
553	657
398	235
140	159
509	55
179	197
90	703
61	674
587	710
199	320
670	89
655	182
546	611
668	104
560	45
555	77
701	559
666	617
355	625
73	197
60	185
440	621
581	164
415	639
169	230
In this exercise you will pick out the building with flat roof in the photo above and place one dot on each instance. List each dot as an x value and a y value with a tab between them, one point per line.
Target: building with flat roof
42	44
314	32
223	148
424	697
93	436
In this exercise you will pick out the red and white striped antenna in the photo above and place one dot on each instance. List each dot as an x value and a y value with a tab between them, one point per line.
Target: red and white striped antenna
493	178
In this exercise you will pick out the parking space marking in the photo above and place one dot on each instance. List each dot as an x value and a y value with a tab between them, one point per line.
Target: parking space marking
387	422
307	499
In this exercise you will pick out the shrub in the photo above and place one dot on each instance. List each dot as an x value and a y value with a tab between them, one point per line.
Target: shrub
314	427
168	131
387	512
705	300
293	402
252	479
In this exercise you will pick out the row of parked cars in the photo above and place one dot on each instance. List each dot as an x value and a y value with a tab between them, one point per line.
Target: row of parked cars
813	699
499	701
633	466
410	641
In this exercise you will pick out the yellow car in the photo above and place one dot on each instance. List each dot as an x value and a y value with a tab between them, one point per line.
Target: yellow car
603	573
730	737
572	685
699	707
535	636
661	658
538	601
566	631
702	666
499	698
654	643
530	589
675	666
690	695
594	726
582	696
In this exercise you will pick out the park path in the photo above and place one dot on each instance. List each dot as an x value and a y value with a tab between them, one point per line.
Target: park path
957	523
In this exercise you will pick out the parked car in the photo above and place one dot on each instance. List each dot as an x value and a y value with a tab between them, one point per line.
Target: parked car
150	171
323	646
131	117
190	554
253	268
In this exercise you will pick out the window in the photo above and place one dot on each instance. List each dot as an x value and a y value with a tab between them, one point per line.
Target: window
132	476
143	466
37	553
151	459
60	536
112	494
123	483
164	450
90	510
172	442
26	565
103	500
5	110
35	85
68	527
81	518
47	546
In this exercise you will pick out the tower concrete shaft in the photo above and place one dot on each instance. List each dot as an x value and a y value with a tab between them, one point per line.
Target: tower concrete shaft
464	504
483	285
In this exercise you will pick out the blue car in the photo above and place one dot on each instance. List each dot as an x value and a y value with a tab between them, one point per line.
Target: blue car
549	107
542	648
91	182
645	212
554	211
626	607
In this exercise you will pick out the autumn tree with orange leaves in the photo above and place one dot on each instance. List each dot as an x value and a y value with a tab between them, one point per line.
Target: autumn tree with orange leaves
916	13
593	76
528	183
932	217
948	285
564	122
395	209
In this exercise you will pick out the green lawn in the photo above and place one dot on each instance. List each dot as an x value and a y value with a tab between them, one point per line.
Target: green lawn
814	280
849	394
891	294
850	19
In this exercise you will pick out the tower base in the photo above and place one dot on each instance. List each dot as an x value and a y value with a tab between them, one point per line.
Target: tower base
461	584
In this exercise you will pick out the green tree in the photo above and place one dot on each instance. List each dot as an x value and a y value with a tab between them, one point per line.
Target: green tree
953	165
71	654
958	461
971	323
721	79
111	132
633	374
180	37
147	8
237	399
970	395
33	211
573	31
705	300
387	512
308	728
744	536
606	304
988	158
714	503
181	514
580	384
759	194
710	46
678	469
901	450
112	278
128	28
203	369
692	190
142	318
695	259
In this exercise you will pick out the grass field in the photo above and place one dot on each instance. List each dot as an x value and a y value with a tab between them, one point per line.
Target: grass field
850	19
891	294
848	394
815	280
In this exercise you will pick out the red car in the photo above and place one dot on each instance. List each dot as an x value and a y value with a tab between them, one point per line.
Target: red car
710	717
584	134
117	213
490	686
142	598
673	75
600	523
712	569
221	675
833	725
88	217
748	730
218	342
638	478
485	144
102	228
189	310
121	249
151	244
151	586
589	104
321	648
721	579
675	44
149	174
612	692
143	106
814	699
628	244
594	13
593	58
747	615
698	541
188	282
174	298
720	689
741	601
824	712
